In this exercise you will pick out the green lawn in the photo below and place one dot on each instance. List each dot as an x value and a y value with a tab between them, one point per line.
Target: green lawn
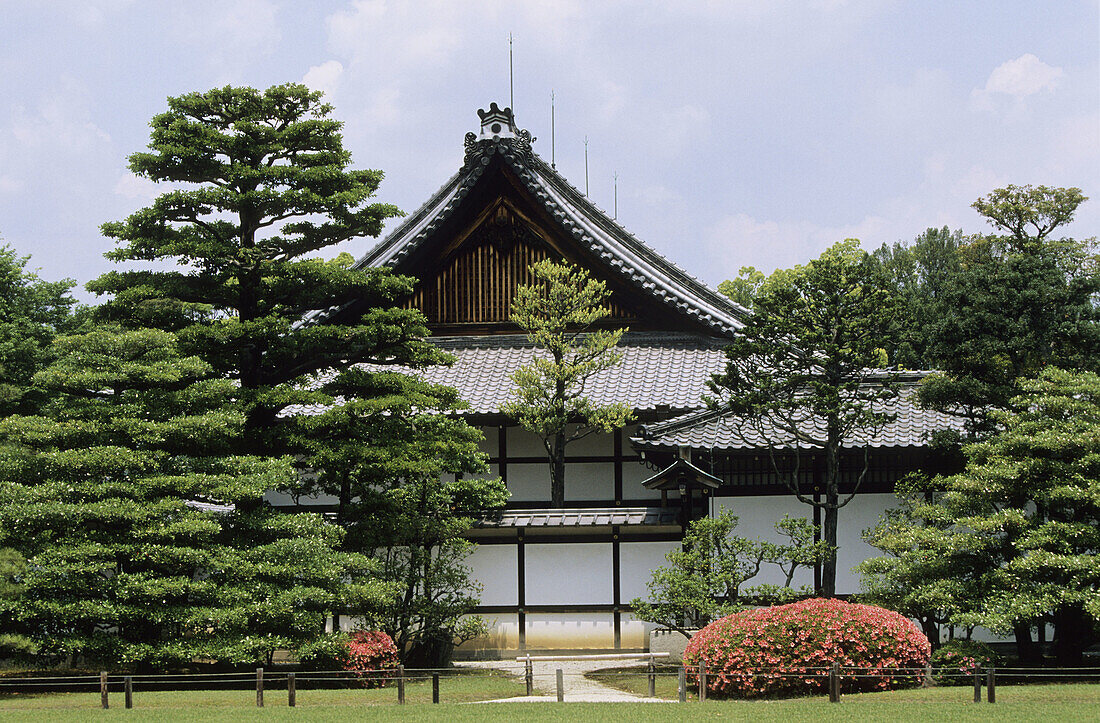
1063	703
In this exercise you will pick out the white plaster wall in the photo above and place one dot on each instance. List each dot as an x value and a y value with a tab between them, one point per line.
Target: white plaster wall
491	443
529	482
862	512
634	634
577	573
496	568
634	473
503	634
522	443
589	481
558	631
757	516
281	499
637	560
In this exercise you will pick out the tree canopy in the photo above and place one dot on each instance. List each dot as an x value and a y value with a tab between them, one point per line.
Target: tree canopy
806	372
144	541
559	312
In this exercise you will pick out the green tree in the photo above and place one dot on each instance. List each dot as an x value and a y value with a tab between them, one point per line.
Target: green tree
805	373
1020	526
919	274
1020	302
260	182
145	542
706	578
559	312
12	569
406	474
32	312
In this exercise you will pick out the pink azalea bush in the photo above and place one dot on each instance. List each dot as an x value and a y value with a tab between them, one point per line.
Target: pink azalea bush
954	662
787	649
368	652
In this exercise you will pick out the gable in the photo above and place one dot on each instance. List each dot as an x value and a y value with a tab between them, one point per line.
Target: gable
470	245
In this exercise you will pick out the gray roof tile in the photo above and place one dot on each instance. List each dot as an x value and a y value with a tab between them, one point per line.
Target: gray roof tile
911	427
582	517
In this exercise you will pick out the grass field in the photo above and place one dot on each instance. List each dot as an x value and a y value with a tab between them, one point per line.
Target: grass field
1063	703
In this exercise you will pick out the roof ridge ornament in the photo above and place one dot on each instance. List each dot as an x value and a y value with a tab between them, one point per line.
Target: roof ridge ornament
498	131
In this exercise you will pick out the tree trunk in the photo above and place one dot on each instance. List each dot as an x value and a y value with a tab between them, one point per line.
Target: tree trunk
828	566
1073	632
1026	650
557	480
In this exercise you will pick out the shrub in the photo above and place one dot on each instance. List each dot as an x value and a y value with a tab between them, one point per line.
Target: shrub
363	653
954	661
787	649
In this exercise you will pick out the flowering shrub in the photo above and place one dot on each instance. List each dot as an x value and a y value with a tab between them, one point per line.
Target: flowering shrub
954	661
363	653
368	652
787	649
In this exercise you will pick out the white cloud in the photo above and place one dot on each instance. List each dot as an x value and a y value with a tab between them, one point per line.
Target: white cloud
324	77
230	34
9	184
57	122
1018	79
134	187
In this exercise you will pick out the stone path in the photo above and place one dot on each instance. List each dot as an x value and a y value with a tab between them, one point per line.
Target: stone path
578	688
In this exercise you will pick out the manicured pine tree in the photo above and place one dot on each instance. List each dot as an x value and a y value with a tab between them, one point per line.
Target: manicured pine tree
140	524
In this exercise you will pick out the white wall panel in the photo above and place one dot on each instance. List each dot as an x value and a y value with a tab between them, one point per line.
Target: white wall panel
522	443
558	631
855	517
496	568
634	473
594	444
490	444
576	573
757	516
589	481
529	482
637	560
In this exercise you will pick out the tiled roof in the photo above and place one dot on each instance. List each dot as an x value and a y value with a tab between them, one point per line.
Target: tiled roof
658	371
715	430
583	517
590	227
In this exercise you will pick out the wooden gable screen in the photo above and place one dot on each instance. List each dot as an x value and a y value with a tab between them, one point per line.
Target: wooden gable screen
476	282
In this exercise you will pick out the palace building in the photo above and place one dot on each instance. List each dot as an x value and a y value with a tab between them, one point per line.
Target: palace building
563	578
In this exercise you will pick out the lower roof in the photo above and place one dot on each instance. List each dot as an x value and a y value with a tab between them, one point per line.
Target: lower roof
583	517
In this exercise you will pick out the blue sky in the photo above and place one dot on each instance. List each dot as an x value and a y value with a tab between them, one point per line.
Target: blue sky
742	131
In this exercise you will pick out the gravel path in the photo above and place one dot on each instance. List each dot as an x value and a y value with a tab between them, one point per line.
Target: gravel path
578	689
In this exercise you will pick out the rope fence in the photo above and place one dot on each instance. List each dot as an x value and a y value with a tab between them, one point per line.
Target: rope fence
688	678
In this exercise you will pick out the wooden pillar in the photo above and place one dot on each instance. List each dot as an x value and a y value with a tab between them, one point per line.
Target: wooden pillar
259	687
616	585
618	452
521	588
103	690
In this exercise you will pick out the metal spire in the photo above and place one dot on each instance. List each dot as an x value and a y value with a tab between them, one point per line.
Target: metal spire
511	98
586	166
552	164
615	215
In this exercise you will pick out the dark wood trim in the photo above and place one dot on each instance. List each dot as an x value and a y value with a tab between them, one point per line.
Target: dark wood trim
521	589
616	584
618	452
580	458
567	539
502	454
513	609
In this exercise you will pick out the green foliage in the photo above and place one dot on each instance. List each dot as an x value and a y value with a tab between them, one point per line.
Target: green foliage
260	181
1019	528
32	312
805	371
954	662
558	312
705	580
743	289
919	275
12	569
146	539
1018	303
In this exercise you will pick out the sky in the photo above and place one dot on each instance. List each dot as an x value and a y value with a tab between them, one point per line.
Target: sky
741	132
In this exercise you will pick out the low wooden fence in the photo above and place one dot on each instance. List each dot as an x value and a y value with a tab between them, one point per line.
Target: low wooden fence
266	682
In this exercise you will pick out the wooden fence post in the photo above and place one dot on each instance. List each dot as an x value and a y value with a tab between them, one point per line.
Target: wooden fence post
652	670
834	683
435	687
529	676
682	684
128	683
401	684
978	684
260	687
702	681
103	689
561	685
291	690
990	686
